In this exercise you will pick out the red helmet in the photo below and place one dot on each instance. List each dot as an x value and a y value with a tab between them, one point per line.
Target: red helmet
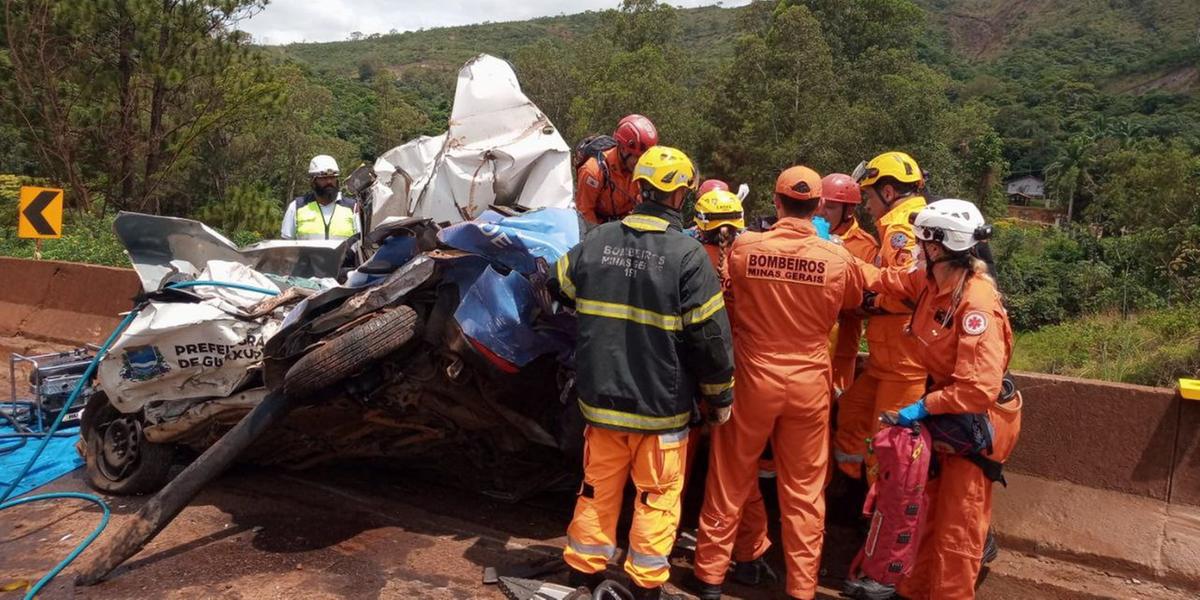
839	187
635	133
710	185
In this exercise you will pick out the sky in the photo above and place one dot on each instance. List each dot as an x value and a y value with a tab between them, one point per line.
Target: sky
287	21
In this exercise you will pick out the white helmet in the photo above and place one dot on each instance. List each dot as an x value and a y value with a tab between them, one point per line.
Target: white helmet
322	165
956	224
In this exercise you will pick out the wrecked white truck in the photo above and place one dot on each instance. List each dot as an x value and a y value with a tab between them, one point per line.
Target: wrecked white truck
443	349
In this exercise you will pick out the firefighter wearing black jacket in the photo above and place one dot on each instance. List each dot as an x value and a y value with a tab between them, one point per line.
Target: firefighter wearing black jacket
653	337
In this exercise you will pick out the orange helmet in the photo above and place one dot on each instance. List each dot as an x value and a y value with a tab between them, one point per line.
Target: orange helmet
839	187
798	183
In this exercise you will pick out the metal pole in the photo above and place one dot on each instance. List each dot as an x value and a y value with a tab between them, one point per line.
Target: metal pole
167	504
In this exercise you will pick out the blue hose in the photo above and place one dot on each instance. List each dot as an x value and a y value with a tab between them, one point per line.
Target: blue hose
86	377
37	587
237	286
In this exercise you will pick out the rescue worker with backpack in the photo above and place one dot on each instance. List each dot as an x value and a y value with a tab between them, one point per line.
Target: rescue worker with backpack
720	218
321	214
891	185
653	337
604	187
787	287
965	344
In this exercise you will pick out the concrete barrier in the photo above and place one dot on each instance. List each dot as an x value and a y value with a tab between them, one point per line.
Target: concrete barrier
1098	434
61	301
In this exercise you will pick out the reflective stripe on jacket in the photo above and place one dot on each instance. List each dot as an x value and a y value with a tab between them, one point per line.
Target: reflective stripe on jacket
653	332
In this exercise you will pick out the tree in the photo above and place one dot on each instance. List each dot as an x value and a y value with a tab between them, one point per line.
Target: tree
116	95
779	106
1071	173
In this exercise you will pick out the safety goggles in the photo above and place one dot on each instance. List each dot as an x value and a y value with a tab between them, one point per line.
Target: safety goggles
861	172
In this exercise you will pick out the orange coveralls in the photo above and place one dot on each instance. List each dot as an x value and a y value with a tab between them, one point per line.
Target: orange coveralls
966	346
788	287
893	377
751	541
601	201
865	247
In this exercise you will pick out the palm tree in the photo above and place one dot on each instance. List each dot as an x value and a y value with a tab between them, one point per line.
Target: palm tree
1071	171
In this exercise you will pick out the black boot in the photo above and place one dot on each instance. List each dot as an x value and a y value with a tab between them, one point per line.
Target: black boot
578	579
990	548
754	573
658	593
703	591
868	589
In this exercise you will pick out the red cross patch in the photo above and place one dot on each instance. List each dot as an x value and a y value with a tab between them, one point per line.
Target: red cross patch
974	323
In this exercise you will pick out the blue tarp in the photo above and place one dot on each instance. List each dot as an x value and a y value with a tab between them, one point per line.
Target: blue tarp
517	242
57	460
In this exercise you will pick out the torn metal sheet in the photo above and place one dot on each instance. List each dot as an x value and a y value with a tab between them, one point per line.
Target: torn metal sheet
161	246
499	149
169	427
177	351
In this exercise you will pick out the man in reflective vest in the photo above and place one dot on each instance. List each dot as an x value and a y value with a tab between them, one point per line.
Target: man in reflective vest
653	336
322	214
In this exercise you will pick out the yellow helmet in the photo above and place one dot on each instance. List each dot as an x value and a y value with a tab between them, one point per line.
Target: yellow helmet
665	169
897	165
717	208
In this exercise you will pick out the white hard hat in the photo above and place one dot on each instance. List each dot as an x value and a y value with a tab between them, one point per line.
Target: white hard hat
322	165
956	224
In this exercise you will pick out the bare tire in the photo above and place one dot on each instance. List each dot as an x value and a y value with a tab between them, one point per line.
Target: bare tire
118	457
351	352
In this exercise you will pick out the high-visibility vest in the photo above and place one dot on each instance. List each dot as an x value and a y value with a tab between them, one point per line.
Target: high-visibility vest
311	223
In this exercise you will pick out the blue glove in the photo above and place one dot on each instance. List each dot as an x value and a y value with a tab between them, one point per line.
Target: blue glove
822	227
912	413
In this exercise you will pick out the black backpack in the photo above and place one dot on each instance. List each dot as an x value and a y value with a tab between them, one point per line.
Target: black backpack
594	146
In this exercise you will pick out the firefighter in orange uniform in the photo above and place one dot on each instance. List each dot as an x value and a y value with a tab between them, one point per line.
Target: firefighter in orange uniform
719	219
965	342
607	192
787	287
842	195
892	184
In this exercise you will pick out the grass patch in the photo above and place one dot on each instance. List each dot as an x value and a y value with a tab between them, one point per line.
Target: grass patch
1149	348
86	239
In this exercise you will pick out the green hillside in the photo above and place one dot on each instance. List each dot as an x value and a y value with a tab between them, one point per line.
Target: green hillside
1100	97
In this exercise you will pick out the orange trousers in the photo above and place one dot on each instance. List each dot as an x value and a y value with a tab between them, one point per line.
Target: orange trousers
858	417
655	462
960	510
799	435
752	541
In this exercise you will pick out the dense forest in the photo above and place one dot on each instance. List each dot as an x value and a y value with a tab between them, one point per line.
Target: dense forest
168	107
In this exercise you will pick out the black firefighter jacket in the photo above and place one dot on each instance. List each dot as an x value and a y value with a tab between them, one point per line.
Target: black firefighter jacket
653	332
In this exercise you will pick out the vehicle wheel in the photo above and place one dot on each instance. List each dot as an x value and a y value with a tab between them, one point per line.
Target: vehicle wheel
349	353
119	458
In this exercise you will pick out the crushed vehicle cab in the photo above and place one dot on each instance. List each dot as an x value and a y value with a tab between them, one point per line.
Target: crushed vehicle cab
443	349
